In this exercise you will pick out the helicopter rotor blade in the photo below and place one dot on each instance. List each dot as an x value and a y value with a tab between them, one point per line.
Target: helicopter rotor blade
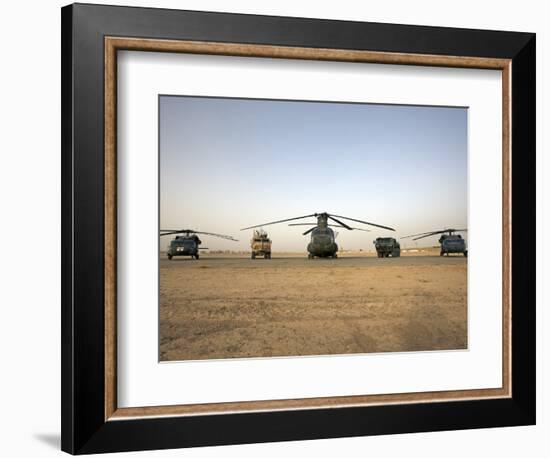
364	222
333	217
341	223
427	234
309	230
329	225
226	237
172	232
313	224
191	231
279	221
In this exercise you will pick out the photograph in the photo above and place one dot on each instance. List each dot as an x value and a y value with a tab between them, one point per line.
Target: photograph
280	226
295	228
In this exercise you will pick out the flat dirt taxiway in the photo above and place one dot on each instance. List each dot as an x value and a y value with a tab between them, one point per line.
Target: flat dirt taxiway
229	306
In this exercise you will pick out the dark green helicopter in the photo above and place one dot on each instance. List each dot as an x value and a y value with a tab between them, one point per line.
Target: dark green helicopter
188	243
449	241
322	244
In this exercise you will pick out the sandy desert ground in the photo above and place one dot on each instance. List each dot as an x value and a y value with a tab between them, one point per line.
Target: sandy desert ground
229	306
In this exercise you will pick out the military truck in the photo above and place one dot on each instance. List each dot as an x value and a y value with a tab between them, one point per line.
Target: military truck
260	244
387	246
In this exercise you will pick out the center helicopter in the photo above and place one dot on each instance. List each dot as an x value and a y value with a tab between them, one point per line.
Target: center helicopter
187	244
322	243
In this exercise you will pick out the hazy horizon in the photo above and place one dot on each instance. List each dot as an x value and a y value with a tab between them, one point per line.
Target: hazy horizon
226	164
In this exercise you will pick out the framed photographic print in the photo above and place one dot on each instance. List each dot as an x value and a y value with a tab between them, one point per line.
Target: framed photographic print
281	228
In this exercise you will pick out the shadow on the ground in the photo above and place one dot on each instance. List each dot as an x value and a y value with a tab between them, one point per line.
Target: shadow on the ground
51	439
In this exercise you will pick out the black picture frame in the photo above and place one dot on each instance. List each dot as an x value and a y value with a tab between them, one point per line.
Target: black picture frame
84	428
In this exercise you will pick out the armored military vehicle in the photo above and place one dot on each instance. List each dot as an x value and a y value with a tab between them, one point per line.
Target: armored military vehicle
449	241
322	244
260	244
387	246
188	243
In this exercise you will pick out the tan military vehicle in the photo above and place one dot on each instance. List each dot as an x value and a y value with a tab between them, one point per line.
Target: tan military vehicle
260	244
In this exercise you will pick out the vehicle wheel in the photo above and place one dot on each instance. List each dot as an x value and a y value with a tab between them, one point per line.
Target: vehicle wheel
335	256
466	254
441	253
267	256
197	257
169	257
310	256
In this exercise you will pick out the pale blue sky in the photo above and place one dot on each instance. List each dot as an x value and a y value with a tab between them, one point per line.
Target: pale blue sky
231	163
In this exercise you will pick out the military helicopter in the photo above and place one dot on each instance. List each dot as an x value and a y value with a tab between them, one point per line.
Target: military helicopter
188	243
322	244
450	242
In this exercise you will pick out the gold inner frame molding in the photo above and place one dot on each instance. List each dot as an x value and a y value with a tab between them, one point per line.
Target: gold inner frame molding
114	44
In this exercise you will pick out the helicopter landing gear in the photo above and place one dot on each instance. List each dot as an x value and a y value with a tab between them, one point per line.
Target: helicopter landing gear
197	257
441	253
310	256
169	257
253	255
334	256
466	254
